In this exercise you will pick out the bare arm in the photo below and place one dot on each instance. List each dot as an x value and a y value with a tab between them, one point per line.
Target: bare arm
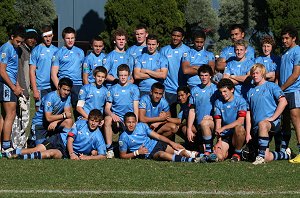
70	141
159	74
60	117
282	102
221	64
145	119
270	76
140	74
188	69
15	88
191	119
159	137
85	78
32	76
54	77
292	78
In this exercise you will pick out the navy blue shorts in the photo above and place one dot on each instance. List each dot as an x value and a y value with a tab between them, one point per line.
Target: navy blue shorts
160	146
74	94
55	142
293	99
6	94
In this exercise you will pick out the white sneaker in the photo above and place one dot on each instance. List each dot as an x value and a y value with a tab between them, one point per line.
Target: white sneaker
110	154
259	160
288	151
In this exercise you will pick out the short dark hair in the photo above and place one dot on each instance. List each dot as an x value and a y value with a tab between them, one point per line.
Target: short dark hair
178	29
18	30
100	69
157	85
46	28
65	81
185	89
205	69
123	67
95	114
152	37
225	82
291	30
141	26
31	34
68	30
198	34
237	26
96	38
128	115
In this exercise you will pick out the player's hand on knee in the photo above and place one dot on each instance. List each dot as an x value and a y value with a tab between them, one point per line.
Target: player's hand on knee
248	137
115	118
163	115
219	131
52	126
208	117
153	126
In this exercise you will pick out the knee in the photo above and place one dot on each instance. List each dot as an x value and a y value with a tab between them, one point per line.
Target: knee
107	121
68	123
263	126
173	128
240	130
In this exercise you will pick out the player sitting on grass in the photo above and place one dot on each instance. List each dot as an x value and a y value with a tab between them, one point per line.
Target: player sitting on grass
155	111
93	96
230	113
54	114
83	142
139	141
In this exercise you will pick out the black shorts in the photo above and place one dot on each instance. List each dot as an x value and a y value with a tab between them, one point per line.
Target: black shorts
74	94
6	94
55	142
160	146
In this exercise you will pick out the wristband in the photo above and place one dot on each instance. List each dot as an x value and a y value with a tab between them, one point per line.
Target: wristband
64	115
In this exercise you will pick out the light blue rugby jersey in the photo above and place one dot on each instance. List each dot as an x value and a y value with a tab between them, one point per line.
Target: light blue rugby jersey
9	56
263	101
90	62
153	109
197	58
85	140
151	62
270	62
112	61
132	141
94	97
238	68
228	53
52	103
122	98
175	77
229	110
136	50
69	62
41	57
203	99
289	60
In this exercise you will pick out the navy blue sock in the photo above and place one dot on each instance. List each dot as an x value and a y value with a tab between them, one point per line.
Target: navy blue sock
298	145
280	155
286	136
278	141
208	143
179	158
6	144
263	143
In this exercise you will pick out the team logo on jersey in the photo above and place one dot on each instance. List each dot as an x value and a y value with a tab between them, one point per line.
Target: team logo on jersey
115	60
104	61
120	143
84	66
108	94
53	58
42	54
80	92
48	104
143	105
79	132
3	55
184	54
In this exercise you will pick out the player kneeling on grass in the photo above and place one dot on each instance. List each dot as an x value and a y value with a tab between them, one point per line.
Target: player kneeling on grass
230	113
139	141
83	142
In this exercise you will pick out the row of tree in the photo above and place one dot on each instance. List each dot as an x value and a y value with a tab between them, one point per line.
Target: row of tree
258	16
30	13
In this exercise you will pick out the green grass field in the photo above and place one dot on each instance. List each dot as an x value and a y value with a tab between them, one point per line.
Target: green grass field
146	178
135	178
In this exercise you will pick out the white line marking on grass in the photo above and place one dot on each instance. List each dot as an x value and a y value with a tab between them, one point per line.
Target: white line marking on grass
129	192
